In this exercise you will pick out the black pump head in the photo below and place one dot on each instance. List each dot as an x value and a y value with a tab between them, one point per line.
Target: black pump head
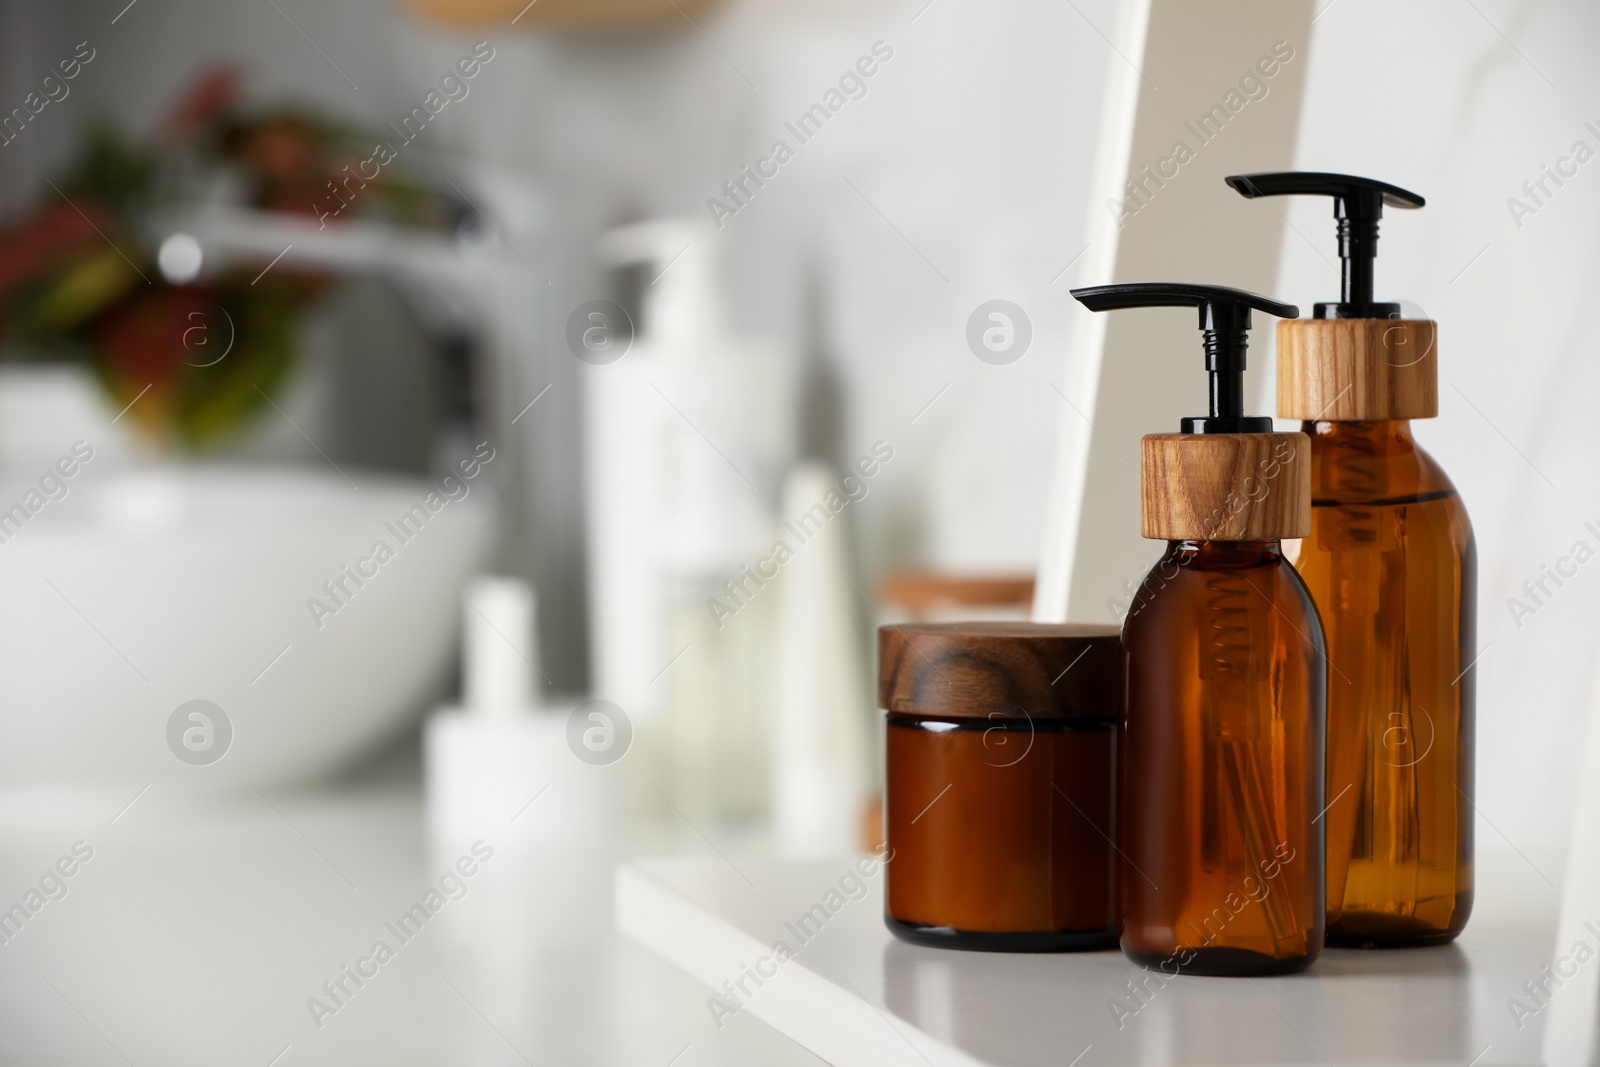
1225	318
1358	205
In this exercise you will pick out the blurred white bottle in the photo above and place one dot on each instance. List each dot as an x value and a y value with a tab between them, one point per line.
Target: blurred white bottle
499	768
820	735
686	436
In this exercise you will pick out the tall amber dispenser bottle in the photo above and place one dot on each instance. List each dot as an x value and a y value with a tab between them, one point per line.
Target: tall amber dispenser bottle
1392	565
1220	776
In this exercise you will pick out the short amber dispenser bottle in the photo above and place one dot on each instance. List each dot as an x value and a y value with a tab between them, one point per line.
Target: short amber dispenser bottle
1392	564
1220	777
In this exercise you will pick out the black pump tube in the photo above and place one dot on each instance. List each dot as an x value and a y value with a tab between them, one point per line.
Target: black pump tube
1358	248
1225	359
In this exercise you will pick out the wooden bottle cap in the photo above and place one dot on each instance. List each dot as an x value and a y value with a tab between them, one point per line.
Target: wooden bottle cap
1358	370
978	669
1225	486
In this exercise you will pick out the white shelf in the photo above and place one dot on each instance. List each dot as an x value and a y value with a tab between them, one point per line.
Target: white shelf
853	994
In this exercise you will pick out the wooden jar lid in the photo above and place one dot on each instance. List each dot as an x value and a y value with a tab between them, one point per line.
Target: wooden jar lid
1225	486
978	669
1358	370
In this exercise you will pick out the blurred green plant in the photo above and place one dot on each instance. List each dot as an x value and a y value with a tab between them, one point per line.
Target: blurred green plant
78	273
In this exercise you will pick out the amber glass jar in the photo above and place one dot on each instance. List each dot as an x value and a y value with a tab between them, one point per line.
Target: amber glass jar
1392	564
999	790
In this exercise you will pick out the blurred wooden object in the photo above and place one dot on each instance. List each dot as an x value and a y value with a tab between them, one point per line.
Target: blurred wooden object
580	15
926	595
873	833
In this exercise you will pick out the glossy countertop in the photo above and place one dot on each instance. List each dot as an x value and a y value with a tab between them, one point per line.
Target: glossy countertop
200	927
845	988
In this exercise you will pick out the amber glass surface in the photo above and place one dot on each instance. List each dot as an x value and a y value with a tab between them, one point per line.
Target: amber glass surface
1001	831
1392	565
1222	764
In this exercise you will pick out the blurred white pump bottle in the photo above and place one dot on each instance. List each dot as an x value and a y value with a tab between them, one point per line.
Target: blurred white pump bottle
686	436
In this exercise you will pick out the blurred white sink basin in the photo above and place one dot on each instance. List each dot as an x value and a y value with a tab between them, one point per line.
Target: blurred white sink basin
144	589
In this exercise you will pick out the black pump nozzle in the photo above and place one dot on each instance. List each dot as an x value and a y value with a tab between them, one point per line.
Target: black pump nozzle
1358	205
1225	318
